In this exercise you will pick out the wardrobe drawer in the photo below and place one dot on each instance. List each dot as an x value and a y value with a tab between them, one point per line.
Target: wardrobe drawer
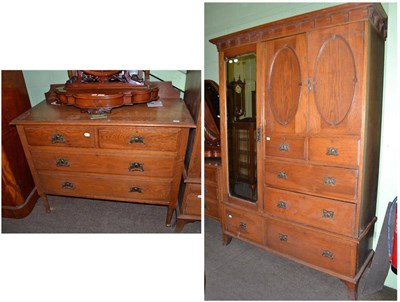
322	213
245	225
139	138
61	136
104	186
192	200
106	163
329	182
336	150
283	146
316	248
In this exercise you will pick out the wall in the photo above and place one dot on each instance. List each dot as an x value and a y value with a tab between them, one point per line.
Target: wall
224	18
38	82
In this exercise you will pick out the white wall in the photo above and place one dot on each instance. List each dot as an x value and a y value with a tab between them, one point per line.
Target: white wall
225	18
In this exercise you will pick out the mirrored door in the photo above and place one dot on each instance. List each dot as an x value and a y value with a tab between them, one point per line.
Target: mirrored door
241	125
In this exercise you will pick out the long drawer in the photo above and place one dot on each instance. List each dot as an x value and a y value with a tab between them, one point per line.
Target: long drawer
129	188
104	162
245	225
322	213
139	138
316	248
328	182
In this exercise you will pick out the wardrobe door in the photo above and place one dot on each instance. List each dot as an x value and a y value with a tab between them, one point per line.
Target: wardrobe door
336	72
286	97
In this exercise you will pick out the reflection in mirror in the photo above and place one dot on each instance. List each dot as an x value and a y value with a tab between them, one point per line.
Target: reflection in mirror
241	124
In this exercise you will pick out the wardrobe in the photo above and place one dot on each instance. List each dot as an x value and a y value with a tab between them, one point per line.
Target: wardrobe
309	111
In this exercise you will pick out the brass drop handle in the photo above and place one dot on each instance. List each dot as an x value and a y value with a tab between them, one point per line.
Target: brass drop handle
327	214
57	139
330	181
136	166
283	237
136	190
332	151
62	162
327	254
136	140
284	147
281	204
282	174
68	185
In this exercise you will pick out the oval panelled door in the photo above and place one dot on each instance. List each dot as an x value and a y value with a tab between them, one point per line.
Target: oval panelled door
334	80
285	85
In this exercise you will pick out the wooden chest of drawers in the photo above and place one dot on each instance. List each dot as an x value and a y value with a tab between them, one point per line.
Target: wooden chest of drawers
134	154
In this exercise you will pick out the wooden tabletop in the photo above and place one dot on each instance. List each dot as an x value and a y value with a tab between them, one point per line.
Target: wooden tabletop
173	113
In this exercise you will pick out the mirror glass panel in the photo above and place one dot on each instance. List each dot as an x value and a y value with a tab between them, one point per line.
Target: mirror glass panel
241	125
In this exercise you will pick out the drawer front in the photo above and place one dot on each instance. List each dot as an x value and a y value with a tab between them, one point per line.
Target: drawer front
105	187
245	225
326	214
139	138
192	200
97	162
61	136
282	146
323	181
313	247
336	151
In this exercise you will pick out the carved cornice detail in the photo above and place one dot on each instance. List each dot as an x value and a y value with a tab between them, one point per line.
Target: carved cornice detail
333	16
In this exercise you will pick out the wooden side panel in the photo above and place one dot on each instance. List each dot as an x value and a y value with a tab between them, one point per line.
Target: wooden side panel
372	131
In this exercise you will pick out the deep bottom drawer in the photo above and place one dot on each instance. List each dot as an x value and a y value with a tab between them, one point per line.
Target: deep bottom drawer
128	188
313	247
245	225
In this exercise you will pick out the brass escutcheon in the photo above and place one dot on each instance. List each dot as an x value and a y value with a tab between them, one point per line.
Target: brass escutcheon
136	166
136	190
57	138
136	140
62	162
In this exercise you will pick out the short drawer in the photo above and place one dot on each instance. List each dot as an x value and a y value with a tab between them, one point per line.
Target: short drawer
316	248
139	138
283	146
192	200
126	188
245	225
61	136
323	213
336	150
328	182
104	163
